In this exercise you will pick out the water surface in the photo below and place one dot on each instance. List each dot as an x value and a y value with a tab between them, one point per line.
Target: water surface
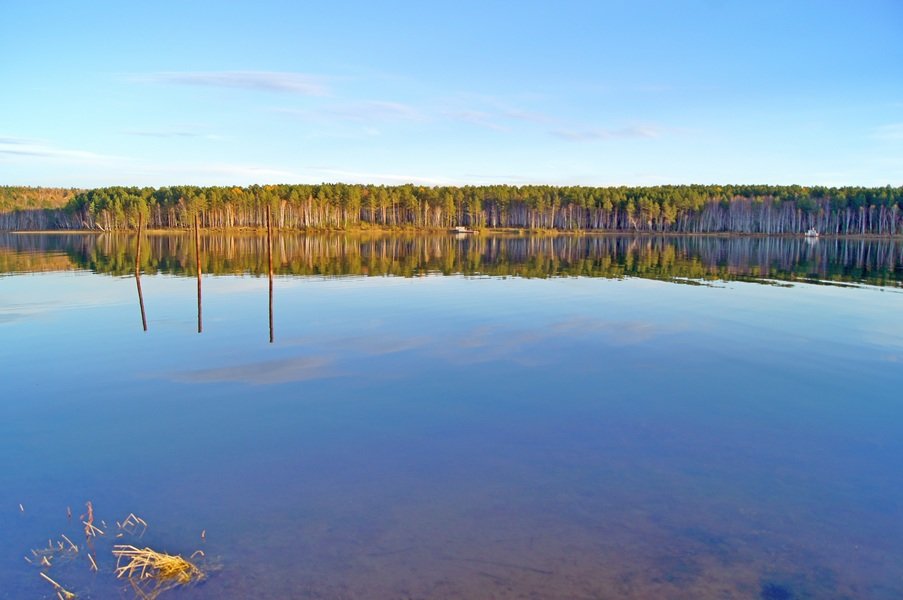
560	417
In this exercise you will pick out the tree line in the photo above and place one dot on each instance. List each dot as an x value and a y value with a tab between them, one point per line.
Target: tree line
754	209
32	198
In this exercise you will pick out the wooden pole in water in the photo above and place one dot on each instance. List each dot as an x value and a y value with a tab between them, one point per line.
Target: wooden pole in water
270	261
197	252
138	274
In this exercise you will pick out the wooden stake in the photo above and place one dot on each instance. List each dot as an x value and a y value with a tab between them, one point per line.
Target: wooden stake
197	252
138	274
270	261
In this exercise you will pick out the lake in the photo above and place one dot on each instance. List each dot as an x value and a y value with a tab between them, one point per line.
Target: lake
457	417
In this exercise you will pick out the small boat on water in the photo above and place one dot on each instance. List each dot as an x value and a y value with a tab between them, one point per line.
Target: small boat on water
812	233
461	229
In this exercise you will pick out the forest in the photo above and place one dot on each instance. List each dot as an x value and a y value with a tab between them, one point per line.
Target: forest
751	209
29	198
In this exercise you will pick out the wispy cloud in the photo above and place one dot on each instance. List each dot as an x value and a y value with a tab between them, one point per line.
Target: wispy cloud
332	174
358	112
172	133
528	115
598	134
493	178
374	110
494	113
636	88
893	132
478	118
12	317
218	173
261	81
21	147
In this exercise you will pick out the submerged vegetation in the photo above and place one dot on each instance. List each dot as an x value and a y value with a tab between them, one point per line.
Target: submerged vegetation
753	209
148	572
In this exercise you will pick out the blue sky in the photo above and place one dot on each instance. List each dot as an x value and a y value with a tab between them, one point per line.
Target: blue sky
594	93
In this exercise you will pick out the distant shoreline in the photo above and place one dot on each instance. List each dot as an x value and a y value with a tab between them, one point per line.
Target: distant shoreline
537	209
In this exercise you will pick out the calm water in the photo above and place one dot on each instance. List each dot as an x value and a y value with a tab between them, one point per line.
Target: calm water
459	418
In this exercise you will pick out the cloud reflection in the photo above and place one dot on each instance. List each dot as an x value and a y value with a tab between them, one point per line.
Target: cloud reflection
380	345
269	372
492	343
483	344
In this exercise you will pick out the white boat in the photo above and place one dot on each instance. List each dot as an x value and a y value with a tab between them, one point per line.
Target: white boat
812	233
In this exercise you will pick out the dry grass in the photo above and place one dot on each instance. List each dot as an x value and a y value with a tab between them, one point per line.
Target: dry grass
151	572
61	592
88	522
47	557
133	524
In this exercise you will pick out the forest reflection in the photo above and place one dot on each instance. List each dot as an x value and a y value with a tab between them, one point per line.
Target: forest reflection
674	258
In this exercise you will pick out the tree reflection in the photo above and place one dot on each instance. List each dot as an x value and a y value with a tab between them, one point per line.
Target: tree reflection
674	258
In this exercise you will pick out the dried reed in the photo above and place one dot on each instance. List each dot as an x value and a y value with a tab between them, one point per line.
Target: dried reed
149	572
144	563
72	545
133	524
88	521
61	592
46	556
